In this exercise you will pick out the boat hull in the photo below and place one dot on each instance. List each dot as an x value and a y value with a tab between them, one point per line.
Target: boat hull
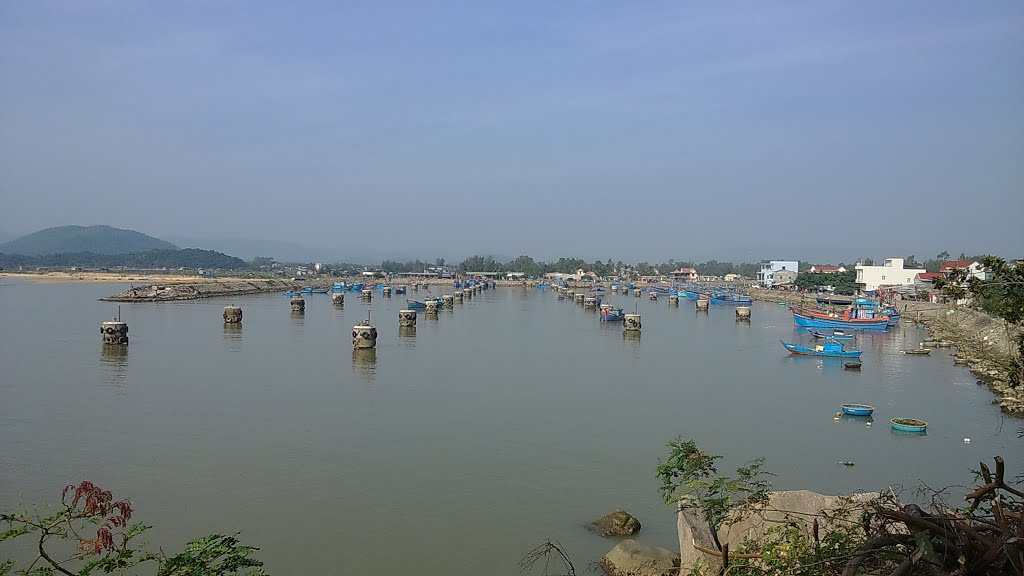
806	321
805	351
916	428
857	409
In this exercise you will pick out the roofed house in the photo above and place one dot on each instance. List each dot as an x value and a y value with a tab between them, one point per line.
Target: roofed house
973	267
684	274
926	280
827	269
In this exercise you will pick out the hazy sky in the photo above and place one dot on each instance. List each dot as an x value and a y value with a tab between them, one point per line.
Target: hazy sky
630	130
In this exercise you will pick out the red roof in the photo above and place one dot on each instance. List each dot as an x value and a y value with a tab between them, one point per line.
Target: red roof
826	268
929	275
684	271
951	264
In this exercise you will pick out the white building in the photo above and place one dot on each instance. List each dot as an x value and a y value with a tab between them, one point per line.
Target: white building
973	268
766	275
890	273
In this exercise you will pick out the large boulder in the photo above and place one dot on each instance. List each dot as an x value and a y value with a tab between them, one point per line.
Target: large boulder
797	507
618	523
630	558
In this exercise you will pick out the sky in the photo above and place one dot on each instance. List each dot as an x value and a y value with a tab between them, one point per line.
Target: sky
821	131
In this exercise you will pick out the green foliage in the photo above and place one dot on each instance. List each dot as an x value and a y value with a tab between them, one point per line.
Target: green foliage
689	477
841	282
105	542
94	239
1000	294
153	259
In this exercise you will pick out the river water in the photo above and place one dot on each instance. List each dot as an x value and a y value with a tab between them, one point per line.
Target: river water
510	419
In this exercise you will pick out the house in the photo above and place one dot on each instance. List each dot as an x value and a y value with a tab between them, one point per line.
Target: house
684	275
827	269
766	275
926	280
890	273
732	277
784	277
973	267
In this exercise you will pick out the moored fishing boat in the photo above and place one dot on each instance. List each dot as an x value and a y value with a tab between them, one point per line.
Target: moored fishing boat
612	314
734	299
837	334
917	351
857	409
851	365
909	425
834	300
415	305
809	318
830	348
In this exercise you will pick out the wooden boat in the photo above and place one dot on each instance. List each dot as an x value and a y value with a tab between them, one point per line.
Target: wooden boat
831	348
909	425
851	365
415	305
837	334
834	300
858	409
612	315
808	318
319	290
917	351
734	299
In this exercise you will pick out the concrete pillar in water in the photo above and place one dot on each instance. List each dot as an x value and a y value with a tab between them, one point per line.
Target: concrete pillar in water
364	335
637	292
590	303
702	305
386	291
624	290
652	295
415	287
457	296
298	304
407	318
431	307
232	314
366	294
114	332
578	298
742	313
467	292
449	301
673	300
338	298
631	322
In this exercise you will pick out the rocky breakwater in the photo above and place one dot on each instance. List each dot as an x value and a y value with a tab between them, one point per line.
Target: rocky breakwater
195	290
985	343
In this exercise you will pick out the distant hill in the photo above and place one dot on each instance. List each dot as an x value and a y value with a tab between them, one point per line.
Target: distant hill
151	259
78	239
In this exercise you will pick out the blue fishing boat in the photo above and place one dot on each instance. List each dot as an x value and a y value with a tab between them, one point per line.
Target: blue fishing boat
435	299
356	287
612	315
292	293
830	348
733	299
319	291
689	294
857	409
909	425
338	287
308	289
415	305
810	319
834	300
543	286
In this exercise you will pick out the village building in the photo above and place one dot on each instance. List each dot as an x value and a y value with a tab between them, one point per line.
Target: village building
973	267
766	275
889	275
684	275
827	269
784	277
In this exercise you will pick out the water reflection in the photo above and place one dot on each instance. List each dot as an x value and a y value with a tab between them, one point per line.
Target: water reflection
233	336
364	363
114	360
407	334
298	317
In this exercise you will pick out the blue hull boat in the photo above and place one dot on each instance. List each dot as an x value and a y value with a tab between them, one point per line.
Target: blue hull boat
830	349
733	300
415	305
858	409
911	425
836	335
613	315
817	321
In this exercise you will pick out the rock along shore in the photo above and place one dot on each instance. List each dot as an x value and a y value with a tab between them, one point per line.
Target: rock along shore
195	290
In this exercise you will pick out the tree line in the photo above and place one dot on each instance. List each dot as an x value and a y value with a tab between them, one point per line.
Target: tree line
185	258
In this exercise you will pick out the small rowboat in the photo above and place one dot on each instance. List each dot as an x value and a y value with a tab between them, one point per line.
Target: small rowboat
831	348
918	351
909	425
838	335
858	409
851	365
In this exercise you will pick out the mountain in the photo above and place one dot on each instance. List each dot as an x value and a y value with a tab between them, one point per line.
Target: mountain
92	239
